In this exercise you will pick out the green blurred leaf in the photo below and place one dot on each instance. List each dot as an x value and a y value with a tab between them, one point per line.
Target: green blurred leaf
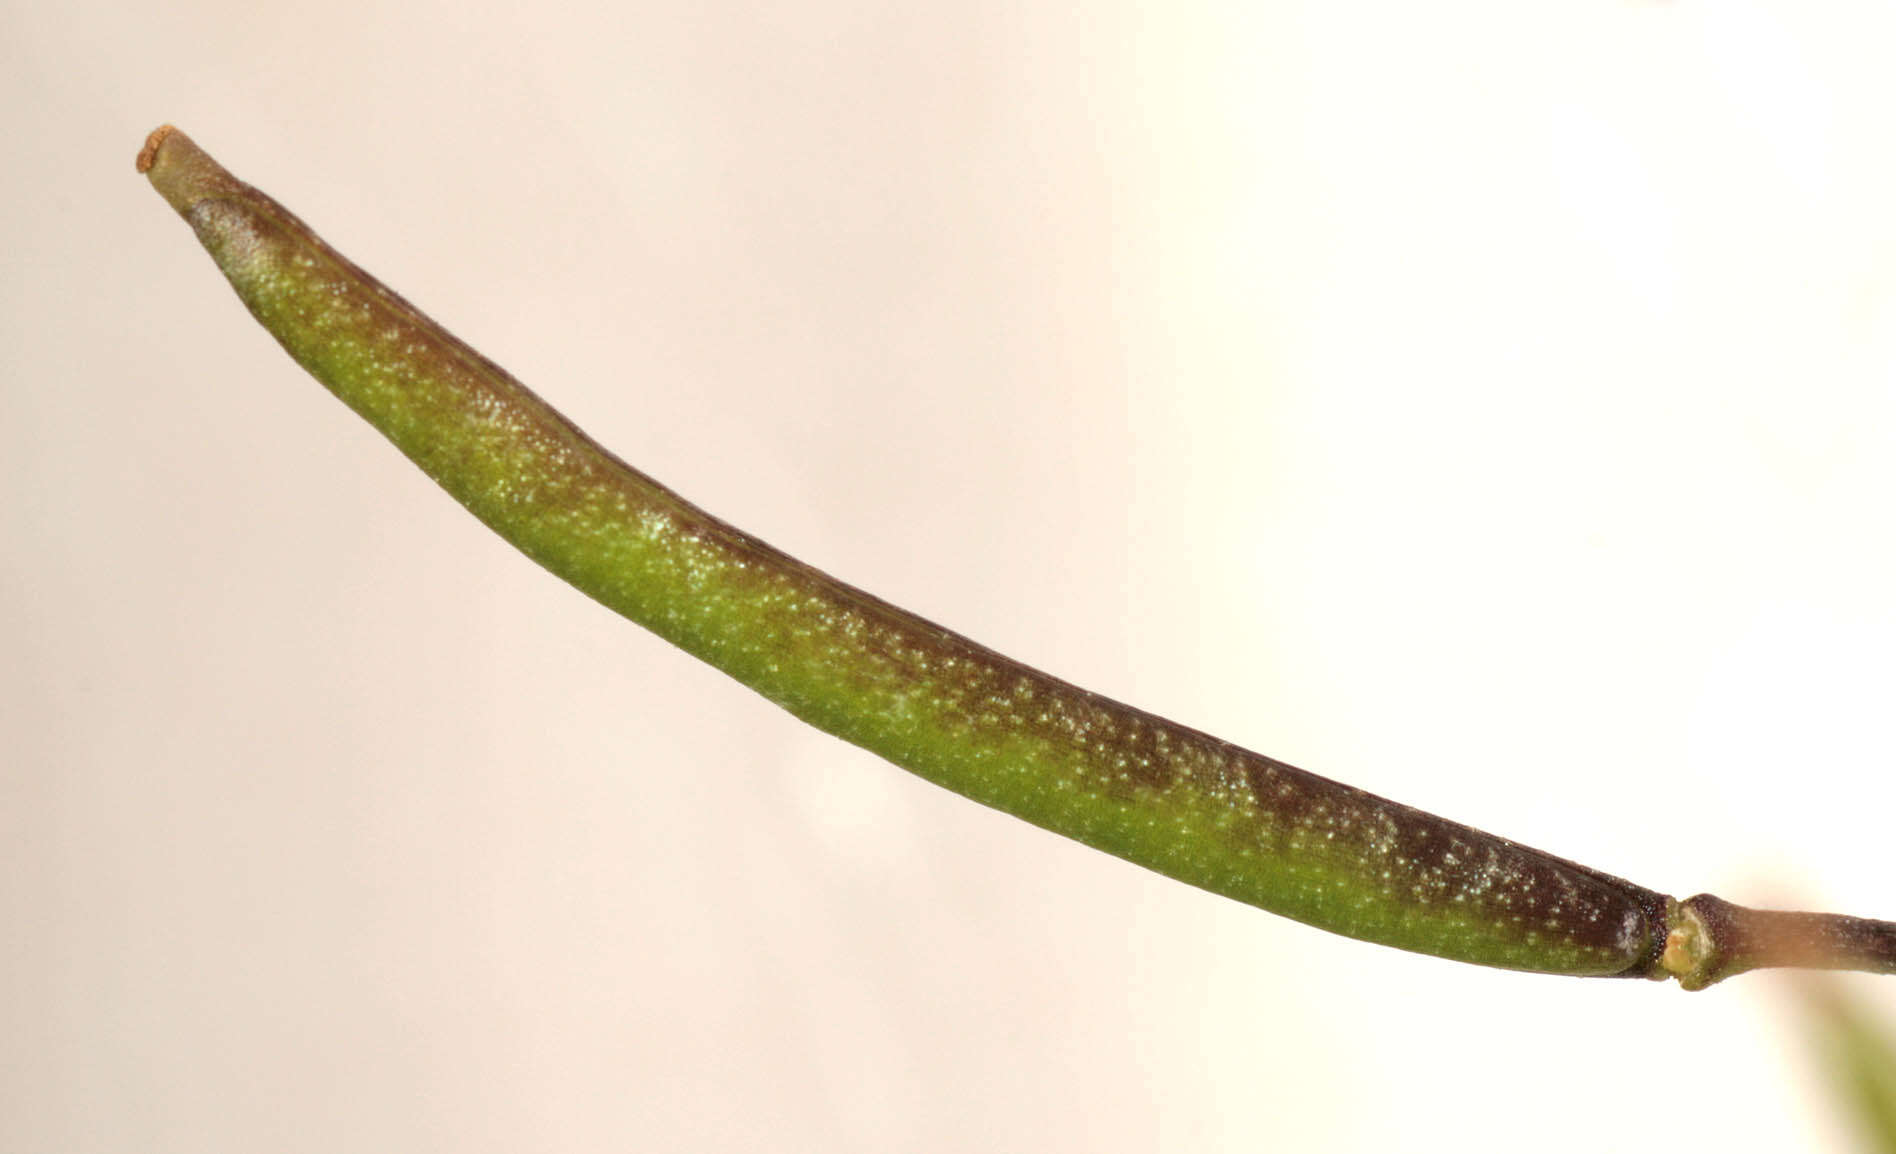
1858	1051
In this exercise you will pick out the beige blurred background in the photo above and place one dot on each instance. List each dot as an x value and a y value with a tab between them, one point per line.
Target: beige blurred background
1489	404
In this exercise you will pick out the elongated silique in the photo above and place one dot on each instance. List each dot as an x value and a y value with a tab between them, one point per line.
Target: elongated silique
1146	789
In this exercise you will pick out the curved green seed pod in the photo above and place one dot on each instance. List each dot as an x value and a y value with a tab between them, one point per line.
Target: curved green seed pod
1153	792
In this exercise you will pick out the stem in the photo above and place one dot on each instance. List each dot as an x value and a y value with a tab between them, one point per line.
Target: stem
1712	939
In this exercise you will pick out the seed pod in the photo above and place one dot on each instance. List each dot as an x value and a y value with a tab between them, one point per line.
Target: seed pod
1146	789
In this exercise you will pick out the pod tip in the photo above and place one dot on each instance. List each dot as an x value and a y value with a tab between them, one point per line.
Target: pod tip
183	173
